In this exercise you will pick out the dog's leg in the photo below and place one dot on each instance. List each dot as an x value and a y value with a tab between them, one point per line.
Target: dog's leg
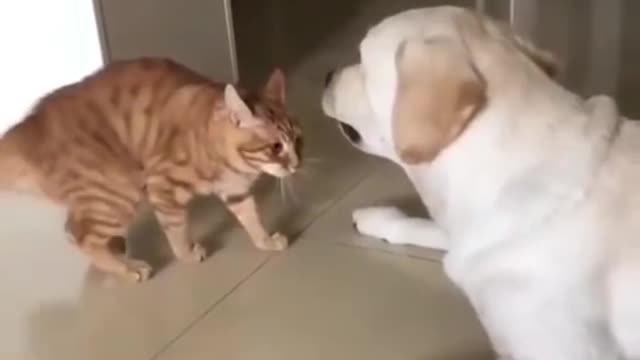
392	225
535	320
624	309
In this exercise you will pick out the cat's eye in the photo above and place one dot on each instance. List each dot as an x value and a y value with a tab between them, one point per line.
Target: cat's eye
272	113
277	147
299	144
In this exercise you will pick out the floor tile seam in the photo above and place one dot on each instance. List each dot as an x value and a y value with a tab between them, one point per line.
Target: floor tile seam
208	310
341	196
333	203
384	251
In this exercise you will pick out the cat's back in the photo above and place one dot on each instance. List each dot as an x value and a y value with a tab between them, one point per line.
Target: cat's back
130	78
117	87
112	106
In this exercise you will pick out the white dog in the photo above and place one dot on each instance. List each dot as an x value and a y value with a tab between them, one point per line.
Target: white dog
534	191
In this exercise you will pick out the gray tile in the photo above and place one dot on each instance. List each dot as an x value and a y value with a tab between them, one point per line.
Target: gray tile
325	302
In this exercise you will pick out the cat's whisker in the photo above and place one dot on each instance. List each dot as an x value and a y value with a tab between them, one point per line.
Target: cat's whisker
310	173
283	195
315	160
307	171
292	192
302	175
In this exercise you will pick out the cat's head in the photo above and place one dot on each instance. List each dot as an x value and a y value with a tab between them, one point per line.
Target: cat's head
275	142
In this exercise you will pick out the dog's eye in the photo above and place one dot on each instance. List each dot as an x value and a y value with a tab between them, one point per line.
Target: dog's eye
350	132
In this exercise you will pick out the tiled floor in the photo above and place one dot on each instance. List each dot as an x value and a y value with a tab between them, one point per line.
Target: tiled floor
332	295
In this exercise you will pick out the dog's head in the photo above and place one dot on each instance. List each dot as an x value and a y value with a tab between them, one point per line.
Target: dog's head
418	85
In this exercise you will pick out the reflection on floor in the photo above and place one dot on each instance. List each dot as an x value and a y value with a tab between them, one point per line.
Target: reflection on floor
332	295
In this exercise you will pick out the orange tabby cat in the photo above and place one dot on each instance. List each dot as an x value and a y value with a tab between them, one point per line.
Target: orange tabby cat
150	129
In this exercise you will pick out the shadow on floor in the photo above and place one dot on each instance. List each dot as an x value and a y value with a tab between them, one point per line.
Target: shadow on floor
468	356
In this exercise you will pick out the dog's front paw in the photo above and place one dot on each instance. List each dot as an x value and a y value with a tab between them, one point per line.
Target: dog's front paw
378	222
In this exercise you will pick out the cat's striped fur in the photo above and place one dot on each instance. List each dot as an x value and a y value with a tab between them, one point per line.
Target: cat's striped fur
150	129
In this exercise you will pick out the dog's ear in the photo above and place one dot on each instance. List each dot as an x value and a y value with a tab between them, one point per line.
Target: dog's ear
545	60
439	92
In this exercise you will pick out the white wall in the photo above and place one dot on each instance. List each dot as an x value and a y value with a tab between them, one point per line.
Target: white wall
43	44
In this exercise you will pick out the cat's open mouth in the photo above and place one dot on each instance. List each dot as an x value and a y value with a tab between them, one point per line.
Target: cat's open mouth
350	132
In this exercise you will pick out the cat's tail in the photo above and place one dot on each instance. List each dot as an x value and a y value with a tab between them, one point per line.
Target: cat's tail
16	173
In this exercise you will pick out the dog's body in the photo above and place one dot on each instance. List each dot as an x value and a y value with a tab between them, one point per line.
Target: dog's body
532	190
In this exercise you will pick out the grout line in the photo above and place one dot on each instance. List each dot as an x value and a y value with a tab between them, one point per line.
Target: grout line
333	203
387	251
193	323
212	307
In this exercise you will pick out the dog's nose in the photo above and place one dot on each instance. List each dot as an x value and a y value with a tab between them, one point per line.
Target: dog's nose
328	77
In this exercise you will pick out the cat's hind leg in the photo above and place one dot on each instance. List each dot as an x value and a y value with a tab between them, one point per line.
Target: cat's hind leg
100	235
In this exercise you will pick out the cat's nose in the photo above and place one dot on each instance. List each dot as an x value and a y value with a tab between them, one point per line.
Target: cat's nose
294	164
328	77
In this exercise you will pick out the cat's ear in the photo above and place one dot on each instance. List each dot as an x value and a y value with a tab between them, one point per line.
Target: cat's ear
276	86
239	113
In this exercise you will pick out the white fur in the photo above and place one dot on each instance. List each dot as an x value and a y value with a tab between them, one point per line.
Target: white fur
537	202
391	224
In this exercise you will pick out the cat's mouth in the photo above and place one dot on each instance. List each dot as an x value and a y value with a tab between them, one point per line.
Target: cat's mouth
279	171
350	132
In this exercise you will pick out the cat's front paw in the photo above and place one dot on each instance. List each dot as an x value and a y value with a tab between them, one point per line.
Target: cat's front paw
137	270
275	242
195	254
377	222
